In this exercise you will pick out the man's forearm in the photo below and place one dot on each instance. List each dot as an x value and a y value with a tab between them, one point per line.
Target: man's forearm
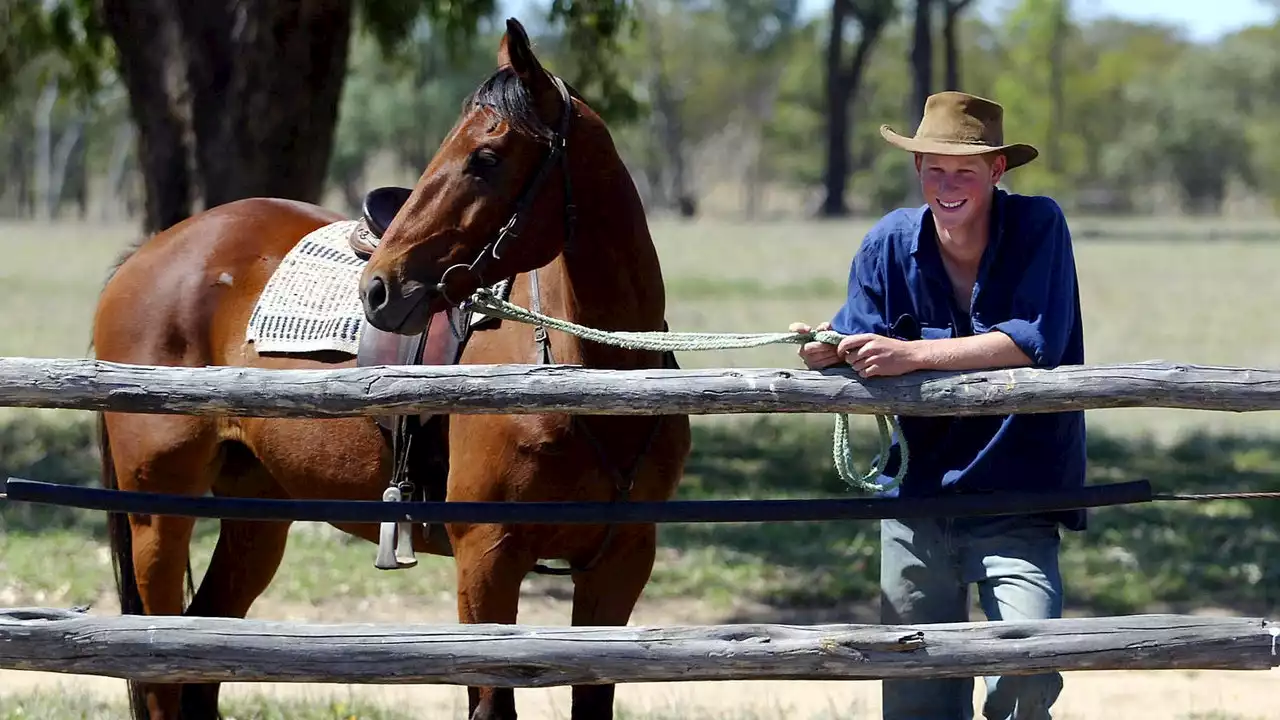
979	352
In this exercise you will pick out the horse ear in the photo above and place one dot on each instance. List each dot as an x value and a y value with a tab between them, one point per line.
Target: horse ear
517	52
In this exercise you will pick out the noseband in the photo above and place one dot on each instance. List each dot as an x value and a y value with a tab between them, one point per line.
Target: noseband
557	153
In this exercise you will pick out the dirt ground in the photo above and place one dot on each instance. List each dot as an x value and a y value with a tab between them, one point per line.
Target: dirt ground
1145	695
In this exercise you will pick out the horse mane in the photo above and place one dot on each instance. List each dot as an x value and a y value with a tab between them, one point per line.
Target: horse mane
506	95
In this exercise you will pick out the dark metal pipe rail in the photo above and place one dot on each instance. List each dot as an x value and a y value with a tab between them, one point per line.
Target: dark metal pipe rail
674	511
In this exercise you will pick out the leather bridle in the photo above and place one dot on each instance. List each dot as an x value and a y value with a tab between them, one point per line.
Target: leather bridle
558	153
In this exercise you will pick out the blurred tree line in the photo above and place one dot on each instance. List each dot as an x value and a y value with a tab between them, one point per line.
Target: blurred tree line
156	108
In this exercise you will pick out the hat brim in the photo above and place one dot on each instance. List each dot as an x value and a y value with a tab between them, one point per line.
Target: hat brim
1017	154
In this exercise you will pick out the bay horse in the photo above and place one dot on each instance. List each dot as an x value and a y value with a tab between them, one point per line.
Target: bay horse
505	197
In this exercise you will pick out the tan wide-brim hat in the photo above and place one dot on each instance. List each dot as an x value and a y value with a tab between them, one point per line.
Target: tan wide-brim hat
956	123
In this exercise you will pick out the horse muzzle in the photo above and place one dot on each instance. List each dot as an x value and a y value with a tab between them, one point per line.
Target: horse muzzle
392	306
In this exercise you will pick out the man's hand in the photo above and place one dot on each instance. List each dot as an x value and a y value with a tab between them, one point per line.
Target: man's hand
879	356
816	355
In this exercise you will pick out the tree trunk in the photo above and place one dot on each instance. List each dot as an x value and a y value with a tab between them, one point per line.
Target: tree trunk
950	43
69	142
842	87
232	98
117	169
922	79
266	79
1056	93
20	169
921	61
153	72
762	100
43	123
838	93
668	127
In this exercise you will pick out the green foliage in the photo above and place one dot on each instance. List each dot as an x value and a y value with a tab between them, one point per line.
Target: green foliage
394	22
888	180
760	27
51	451
64	37
594	31
591	31
1194	135
404	107
1144	113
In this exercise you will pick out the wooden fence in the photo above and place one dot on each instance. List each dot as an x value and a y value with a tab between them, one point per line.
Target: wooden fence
508	389
207	649
193	649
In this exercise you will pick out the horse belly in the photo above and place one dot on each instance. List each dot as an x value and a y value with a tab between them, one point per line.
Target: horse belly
324	459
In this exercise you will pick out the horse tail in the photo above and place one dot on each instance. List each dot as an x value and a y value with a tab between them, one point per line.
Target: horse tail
120	536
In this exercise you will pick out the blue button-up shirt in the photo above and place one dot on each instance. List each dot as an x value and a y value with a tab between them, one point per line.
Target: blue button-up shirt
1026	288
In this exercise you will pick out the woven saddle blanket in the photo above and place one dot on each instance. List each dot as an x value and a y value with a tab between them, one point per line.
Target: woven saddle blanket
312	301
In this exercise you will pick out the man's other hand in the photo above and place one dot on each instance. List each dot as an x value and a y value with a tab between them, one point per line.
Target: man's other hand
815	354
879	356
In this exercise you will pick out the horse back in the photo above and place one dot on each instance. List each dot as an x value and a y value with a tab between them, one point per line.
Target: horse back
184	296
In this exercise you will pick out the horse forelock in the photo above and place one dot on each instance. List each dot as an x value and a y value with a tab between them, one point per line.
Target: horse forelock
509	98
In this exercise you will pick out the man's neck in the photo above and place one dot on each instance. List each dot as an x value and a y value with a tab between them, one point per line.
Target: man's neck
965	244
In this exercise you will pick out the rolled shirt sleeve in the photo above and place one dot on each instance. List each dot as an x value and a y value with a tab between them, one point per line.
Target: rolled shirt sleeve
1043	312
864	307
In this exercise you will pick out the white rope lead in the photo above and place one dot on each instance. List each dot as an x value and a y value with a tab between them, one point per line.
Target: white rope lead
487	302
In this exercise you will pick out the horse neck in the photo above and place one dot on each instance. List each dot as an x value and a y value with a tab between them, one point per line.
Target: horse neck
609	277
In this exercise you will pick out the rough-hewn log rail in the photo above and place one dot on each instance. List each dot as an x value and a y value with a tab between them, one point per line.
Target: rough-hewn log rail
192	649
94	385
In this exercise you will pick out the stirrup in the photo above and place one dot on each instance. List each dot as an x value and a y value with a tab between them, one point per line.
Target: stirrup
395	541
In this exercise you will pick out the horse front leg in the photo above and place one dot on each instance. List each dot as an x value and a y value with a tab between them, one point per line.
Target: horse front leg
491	567
606	595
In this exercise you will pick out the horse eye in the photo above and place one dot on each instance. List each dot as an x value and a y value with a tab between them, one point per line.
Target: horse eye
485	159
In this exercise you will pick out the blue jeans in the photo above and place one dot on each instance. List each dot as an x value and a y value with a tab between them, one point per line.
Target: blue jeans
926	567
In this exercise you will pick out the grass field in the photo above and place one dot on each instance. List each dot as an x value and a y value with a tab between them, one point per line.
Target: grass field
1189	291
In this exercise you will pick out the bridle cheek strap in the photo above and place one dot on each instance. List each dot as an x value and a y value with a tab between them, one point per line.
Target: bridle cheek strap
558	153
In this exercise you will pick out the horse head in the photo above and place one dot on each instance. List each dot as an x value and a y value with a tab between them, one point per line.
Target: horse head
484	208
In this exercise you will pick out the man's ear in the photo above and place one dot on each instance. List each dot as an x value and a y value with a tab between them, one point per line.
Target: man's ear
998	166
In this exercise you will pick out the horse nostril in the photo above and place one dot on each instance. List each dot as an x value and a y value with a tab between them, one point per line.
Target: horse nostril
376	294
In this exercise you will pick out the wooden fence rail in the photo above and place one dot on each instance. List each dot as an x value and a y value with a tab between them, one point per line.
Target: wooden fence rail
95	385
194	649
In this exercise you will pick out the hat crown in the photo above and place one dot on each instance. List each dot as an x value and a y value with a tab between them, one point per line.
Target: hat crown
957	123
960	117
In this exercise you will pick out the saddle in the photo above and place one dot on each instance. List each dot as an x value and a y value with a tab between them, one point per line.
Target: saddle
439	343
419	451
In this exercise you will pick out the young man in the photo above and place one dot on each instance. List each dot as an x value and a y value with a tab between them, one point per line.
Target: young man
977	278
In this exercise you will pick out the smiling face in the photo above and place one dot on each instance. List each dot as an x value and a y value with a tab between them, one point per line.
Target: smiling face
958	188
